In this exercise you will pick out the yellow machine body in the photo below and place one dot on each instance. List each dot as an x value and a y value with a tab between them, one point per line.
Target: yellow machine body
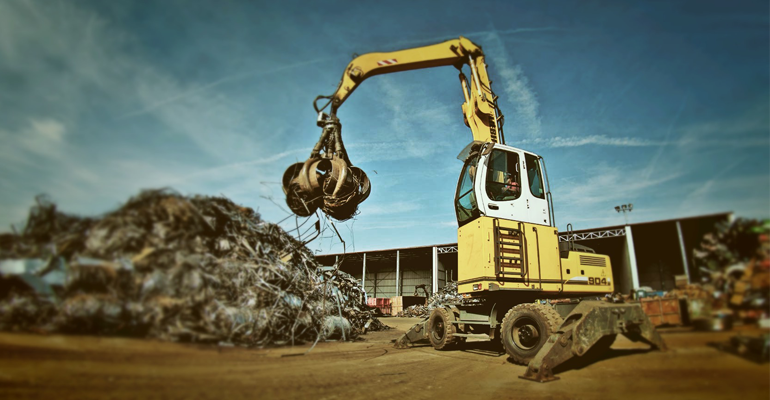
498	254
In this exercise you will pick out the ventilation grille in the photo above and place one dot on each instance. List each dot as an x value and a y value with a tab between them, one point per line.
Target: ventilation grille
593	261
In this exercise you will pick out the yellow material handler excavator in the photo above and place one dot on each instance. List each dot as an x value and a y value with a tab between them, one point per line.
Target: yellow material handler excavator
546	301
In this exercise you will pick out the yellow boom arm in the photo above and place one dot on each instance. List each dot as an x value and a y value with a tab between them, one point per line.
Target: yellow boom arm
328	180
479	109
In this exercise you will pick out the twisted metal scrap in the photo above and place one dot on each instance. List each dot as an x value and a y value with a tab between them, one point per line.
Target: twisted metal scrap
177	268
446	296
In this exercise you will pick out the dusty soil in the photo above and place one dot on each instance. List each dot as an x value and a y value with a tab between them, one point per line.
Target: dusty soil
81	367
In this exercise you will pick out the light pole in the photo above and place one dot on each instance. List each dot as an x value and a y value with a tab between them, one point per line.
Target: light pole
625	208
630	249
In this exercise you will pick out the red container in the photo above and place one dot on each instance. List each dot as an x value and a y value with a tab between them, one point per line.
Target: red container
383	303
662	311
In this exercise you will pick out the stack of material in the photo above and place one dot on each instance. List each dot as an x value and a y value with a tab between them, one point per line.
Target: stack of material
342	300
691	291
447	296
416	310
381	304
400	303
177	268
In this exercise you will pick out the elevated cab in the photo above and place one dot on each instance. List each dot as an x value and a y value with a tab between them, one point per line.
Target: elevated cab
500	181
506	236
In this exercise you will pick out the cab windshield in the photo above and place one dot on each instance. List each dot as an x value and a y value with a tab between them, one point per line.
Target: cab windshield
503	178
465	200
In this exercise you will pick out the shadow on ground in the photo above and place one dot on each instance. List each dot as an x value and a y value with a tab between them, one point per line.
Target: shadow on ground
578	363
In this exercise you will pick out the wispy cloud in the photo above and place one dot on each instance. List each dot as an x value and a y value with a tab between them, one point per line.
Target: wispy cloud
603	184
58	110
404	224
516	85
229	169
600	140
709	185
411	129
390	208
517	88
604	140
654	161
42	137
425	41
717	195
749	127
228	79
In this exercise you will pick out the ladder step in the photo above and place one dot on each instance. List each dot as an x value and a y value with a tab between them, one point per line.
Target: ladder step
510	251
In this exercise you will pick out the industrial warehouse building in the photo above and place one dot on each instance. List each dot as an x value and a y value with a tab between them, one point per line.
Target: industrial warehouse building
643	254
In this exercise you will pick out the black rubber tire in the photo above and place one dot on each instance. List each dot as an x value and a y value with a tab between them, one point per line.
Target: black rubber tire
526	328
441	330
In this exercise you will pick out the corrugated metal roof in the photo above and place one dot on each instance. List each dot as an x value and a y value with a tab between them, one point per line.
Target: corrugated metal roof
374	256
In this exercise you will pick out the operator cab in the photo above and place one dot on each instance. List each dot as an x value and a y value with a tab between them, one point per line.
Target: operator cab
504	182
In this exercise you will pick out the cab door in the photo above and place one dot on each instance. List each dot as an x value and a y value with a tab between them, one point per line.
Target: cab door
537	203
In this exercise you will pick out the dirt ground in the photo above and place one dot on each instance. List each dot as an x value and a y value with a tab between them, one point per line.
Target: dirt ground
80	367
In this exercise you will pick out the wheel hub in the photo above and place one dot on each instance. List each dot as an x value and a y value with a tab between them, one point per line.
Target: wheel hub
438	330
526	335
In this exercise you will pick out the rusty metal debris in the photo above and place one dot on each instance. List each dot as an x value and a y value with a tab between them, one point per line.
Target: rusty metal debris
446	296
414	311
327	179
199	269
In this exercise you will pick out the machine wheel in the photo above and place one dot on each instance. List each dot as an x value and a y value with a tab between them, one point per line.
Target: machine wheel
441	330
526	328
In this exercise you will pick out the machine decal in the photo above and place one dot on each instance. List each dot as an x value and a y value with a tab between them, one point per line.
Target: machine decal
388	62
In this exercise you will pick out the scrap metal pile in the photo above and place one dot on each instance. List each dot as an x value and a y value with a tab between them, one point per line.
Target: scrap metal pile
166	266
446	296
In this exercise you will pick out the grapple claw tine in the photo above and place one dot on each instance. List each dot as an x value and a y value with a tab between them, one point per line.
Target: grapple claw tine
327	180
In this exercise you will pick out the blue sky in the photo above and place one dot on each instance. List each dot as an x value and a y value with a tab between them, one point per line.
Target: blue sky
661	104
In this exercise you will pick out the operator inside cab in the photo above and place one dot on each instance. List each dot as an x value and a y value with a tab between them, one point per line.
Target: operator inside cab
503	178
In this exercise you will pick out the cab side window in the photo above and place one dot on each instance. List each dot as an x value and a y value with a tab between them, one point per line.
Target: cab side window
503	181
535	176
465	199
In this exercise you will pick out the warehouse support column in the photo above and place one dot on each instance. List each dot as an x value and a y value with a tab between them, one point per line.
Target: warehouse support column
363	278
632	258
684	252
434	282
398	273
